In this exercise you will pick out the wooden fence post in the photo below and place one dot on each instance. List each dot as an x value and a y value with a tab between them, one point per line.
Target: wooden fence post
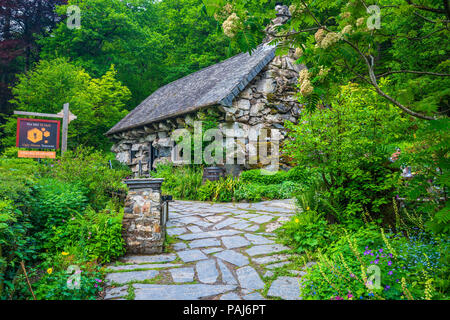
65	128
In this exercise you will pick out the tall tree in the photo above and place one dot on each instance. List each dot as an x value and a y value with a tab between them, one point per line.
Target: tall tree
20	22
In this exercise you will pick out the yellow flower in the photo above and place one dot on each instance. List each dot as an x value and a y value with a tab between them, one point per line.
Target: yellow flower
49	270
296	220
64	253
307	208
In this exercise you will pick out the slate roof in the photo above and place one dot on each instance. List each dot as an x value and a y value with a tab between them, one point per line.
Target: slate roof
216	84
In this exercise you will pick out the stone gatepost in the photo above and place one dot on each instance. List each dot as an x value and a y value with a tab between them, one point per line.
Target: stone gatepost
144	222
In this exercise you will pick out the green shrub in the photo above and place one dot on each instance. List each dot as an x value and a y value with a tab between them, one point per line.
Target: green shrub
90	169
53	203
54	286
15	246
92	236
349	146
307	231
414	268
180	182
17	176
298	174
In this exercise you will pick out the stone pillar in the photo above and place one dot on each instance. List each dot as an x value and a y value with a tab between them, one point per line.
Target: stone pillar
143	223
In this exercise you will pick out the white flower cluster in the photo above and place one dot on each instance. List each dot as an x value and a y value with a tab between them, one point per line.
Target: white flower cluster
224	12
347	30
330	39
298	52
231	25
346	15
296	10
360	22
320	34
304	81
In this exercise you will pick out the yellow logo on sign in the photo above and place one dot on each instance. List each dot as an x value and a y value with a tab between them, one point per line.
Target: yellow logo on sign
34	135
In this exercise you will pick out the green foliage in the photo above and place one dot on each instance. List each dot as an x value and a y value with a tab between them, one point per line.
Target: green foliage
339	45
413	268
14	245
298	174
349	146
54	287
222	190
53	203
91	236
63	277
17	176
90	169
307	231
99	103
180	182
256	192
150	42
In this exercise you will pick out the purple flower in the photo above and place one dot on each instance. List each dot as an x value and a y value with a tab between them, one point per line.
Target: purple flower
349	296
390	272
381	250
389	263
387	288
96	285
98	280
376	261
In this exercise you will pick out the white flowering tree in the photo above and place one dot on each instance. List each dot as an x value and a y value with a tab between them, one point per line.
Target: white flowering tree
402	44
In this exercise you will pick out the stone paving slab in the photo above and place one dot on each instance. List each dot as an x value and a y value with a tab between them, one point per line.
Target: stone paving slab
125	277
178	292
179	246
265	249
209	234
286	288
191	255
255	239
233	257
204	243
181	275
235	242
150	259
132	267
212	250
261	219
227	276
114	293
176	231
271	259
207	271
249	279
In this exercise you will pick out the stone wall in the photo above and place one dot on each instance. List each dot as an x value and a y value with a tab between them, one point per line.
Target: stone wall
266	103
143	229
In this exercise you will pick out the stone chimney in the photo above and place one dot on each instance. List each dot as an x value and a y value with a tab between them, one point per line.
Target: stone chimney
282	16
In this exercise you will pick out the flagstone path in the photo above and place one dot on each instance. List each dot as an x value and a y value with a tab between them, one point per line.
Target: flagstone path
221	251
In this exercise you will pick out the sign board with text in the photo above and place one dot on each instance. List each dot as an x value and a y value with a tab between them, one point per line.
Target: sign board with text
37	154
38	134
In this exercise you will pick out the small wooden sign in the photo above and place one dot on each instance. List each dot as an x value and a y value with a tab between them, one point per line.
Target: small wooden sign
38	134
37	154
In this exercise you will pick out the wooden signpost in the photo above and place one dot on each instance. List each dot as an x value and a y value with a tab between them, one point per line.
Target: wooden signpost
42	134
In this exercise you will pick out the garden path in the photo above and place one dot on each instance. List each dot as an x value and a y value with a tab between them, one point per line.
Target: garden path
221	251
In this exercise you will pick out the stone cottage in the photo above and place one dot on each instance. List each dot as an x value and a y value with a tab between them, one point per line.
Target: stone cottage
248	92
